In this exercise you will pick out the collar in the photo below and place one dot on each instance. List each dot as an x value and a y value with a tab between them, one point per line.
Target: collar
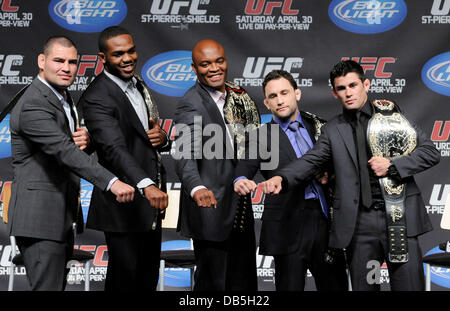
285	123
121	83
367	109
58	94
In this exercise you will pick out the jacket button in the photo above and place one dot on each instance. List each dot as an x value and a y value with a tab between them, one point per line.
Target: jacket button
355	201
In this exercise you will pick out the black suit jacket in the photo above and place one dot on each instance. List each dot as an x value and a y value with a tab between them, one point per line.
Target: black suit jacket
336	145
213	224
282	220
47	167
123	147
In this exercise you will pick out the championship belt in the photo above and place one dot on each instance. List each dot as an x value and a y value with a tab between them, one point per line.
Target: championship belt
241	115
390	135
154	114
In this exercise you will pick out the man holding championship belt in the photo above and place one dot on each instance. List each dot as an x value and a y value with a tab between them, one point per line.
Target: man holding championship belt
378	212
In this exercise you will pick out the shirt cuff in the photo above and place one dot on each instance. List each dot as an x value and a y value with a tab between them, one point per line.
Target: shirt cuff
144	183
240	177
195	190
111	183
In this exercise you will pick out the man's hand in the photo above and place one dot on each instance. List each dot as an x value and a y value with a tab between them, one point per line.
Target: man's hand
122	191
157	198
205	198
379	165
155	134
244	186
272	185
81	138
322	178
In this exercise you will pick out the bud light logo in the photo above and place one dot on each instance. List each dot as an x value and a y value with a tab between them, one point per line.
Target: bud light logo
368	16
85	197
5	138
439	275
87	15
436	74
176	277
170	73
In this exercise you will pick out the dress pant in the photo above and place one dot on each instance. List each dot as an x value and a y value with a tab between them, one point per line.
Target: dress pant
290	269
46	261
369	243
226	266
133	260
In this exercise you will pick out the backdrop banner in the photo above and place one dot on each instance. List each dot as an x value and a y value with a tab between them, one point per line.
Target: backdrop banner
403	46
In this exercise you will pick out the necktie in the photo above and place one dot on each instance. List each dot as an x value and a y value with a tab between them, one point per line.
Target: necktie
314	186
366	193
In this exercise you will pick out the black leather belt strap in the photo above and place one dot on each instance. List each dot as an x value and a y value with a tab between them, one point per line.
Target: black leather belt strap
396	226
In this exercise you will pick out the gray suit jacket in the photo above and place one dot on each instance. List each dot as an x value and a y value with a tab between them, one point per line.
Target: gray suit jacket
336	146
47	167
215	174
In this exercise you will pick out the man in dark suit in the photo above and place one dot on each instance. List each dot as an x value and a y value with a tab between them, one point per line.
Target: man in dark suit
359	219
48	162
294	224
220	226
122	121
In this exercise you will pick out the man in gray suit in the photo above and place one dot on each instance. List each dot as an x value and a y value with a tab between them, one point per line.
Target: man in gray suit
362	212
48	161
220	226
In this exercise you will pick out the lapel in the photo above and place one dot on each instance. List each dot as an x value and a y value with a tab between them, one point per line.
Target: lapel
285	144
53	100
345	130
124	105
212	110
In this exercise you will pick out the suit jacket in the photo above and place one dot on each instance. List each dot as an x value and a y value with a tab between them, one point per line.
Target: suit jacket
123	147
282	220
195	170
47	167
336	145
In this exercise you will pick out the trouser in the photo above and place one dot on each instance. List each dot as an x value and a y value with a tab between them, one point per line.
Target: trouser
46	261
369	249
290	269
229	265
133	260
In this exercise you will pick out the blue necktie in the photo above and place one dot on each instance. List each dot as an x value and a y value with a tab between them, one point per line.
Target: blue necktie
304	147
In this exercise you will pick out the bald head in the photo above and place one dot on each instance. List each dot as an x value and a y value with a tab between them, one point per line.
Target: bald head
209	64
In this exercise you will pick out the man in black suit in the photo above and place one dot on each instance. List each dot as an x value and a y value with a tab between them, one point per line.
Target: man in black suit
360	219
122	121
48	161
294	224
220	226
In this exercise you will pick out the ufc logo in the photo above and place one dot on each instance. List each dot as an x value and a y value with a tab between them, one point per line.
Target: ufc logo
89	62
261	66
8	62
441	131
258	7
7	7
174	6
258	195
375	64
440	7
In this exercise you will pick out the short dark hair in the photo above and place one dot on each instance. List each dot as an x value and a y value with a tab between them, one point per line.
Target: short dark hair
109	33
278	74
62	40
343	68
